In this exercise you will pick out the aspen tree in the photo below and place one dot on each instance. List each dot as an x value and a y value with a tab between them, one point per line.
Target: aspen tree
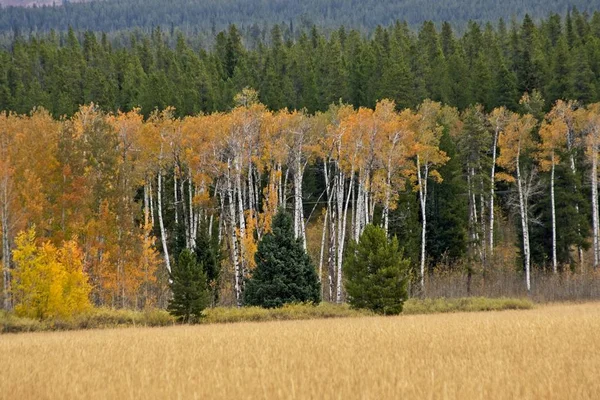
427	156
497	119
553	142
514	142
588	120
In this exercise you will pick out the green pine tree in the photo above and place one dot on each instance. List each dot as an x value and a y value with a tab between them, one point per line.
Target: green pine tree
208	254
190	293
376	273
284	272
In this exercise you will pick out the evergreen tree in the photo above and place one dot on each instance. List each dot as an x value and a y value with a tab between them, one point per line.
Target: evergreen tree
505	89
561	85
397	80
447	210
583	83
572	216
188	283
284	272
208	255
376	273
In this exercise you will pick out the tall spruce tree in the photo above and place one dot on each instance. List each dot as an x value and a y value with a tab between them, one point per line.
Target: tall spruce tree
284	272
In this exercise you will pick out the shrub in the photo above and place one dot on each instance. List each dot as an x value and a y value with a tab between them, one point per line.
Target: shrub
376	273
284	272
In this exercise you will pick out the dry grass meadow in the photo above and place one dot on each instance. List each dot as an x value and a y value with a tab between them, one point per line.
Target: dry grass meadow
550	352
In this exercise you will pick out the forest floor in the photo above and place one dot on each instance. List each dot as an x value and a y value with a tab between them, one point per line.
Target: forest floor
549	352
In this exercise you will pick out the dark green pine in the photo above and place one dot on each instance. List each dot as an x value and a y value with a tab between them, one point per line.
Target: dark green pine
284	272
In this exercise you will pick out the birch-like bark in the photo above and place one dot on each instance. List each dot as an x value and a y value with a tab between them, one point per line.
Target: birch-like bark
553	205
242	223
195	216
298	209
342	237
493	193
175	196
163	233
186	215
422	181
339	197
239	191
222	215
595	217
359	212
331	253
570	144
147	229
385	216
193	224
281	201
323	245
250	186
233	238
284	188
524	226
6	247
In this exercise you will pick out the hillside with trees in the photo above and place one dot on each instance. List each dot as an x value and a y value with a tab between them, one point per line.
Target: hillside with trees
192	16
488	65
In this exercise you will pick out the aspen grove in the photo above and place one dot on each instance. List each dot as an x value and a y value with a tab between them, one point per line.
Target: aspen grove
129	193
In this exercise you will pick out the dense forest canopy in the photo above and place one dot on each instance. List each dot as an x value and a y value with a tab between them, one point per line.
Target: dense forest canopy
489	65
192	16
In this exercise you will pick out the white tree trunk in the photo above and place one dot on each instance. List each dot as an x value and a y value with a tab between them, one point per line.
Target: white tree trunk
251	205
422	182
385	216
299	231
553	205
6	248
240	200
493	194
232	234
343	239
187	216
323	245
151	194
525	227
331	253
359	211
192	220
595	218
163	233
147	228
340	234
175	196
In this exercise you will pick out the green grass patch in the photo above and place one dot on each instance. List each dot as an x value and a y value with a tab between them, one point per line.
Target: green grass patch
98	318
109	318
464	304
287	312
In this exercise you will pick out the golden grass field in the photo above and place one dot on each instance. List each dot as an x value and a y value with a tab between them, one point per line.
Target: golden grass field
550	352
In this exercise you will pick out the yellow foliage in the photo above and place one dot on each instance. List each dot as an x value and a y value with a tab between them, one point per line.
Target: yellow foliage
249	243
49	282
514	140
